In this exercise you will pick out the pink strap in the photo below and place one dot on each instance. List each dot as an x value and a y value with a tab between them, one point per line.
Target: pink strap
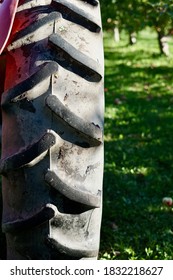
7	13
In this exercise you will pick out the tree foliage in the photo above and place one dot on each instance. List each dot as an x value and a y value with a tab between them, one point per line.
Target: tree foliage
134	15
160	15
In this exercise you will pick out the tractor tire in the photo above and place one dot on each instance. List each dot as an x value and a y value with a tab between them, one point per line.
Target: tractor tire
52	131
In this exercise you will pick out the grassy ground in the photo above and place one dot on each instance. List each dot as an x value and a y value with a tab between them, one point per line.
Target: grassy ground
138	150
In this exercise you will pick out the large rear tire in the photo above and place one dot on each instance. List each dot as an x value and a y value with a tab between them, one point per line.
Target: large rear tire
52	134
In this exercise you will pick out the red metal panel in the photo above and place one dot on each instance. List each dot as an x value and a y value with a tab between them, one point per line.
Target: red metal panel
7	14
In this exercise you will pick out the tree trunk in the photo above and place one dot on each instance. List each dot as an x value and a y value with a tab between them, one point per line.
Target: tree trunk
163	43
116	34
132	38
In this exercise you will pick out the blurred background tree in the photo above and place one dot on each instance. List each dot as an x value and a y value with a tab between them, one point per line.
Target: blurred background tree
135	15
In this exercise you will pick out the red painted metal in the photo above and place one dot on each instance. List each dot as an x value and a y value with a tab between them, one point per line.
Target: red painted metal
7	14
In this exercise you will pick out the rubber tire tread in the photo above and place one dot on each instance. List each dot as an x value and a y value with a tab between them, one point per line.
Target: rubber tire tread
38	140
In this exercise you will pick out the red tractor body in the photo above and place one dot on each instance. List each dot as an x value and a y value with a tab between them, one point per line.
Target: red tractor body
7	13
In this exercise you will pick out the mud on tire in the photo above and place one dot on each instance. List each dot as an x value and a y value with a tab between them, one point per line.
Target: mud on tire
52	135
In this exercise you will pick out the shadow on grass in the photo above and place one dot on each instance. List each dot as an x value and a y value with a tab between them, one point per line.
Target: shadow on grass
138	174
138	157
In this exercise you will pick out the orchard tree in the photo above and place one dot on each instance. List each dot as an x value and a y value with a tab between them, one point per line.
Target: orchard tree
159	14
127	15
134	15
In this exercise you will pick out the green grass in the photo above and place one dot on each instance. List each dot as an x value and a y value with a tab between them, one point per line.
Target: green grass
138	150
